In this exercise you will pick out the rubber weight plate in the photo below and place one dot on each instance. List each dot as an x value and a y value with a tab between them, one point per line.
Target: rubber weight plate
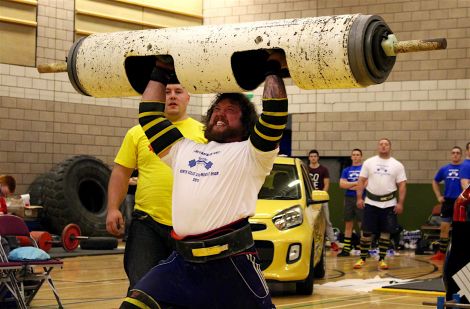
43	239
70	233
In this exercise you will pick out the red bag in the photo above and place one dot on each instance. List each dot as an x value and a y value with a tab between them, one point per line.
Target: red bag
3	205
461	204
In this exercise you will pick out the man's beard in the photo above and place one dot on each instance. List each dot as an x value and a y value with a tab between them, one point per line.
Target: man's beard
226	136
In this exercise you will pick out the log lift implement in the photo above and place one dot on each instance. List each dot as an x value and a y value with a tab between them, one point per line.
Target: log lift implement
329	52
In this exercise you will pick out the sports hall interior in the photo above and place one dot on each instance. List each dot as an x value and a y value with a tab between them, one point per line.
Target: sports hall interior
423	108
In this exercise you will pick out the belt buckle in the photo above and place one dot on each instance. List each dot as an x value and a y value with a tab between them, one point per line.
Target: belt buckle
208	251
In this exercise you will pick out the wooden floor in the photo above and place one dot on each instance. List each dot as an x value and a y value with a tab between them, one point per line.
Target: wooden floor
100	282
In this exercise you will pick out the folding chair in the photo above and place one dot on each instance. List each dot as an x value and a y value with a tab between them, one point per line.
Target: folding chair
30	271
8	282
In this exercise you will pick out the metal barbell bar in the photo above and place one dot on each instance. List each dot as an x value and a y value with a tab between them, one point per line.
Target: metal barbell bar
69	239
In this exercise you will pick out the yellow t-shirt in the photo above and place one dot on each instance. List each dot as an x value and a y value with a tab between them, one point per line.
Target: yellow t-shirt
155	181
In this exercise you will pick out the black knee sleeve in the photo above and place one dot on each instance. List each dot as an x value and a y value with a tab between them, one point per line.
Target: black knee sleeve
136	299
139	300
126	305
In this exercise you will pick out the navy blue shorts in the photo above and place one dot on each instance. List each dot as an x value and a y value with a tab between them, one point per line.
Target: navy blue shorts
351	211
233	282
379	220
447	210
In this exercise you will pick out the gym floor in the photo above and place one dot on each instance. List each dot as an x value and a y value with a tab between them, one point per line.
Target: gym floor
100	281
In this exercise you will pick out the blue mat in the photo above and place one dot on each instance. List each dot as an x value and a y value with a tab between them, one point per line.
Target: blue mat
59	252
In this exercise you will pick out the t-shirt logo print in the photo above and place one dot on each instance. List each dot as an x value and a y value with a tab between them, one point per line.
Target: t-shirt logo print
382	170
354	175
453	173
203	161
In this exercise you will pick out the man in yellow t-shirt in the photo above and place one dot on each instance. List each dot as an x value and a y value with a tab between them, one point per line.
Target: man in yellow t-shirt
148	239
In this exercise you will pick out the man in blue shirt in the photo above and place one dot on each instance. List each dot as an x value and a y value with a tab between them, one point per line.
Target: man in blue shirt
348	181
450	174
465	169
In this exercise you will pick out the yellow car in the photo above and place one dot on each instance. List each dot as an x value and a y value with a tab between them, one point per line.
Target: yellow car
289	226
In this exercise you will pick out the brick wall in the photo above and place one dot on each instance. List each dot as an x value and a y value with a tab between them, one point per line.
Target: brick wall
37	134
55	30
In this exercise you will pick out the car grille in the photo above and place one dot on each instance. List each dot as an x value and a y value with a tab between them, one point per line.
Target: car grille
257	227
265	252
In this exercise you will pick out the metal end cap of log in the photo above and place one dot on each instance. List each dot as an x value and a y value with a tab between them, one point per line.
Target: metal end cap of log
71	67
368	61
372	49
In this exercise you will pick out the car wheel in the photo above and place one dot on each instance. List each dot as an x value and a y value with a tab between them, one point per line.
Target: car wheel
306	287
320	269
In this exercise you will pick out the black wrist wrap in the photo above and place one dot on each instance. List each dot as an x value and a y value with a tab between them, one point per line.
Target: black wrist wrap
164	76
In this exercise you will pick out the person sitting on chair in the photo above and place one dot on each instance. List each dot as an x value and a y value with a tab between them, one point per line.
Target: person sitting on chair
7	187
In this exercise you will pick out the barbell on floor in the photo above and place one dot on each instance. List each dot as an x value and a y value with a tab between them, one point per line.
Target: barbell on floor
70	239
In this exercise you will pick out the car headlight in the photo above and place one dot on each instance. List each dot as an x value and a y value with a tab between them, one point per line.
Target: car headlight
289	218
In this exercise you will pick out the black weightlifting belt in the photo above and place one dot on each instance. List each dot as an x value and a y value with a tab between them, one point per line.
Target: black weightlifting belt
381	198
204	250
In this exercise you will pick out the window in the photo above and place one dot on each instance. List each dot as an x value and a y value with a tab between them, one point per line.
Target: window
18	26
281	184
92	16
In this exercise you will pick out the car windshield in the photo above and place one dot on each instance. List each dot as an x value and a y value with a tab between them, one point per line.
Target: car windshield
281	184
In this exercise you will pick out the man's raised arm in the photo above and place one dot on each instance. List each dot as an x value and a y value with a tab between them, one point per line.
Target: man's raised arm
162	134
272	122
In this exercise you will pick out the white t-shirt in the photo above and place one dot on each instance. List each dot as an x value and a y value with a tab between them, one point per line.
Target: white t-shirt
215	184
383	176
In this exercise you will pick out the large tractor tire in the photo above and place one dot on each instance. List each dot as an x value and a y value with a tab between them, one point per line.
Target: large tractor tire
36	190
76	192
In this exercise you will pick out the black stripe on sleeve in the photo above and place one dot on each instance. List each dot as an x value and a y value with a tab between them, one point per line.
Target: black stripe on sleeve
270	126
166	140
274	120
157	128
261	144
270	132
274	105
151	107
149	111
162	133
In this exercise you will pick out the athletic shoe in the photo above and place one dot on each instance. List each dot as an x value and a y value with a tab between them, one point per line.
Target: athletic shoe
439	256
383	265
334	247
344	253
359	264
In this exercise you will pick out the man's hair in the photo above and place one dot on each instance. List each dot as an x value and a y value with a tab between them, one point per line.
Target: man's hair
468	146
457	147
9	181
357	149
249	116
313	151
386	139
